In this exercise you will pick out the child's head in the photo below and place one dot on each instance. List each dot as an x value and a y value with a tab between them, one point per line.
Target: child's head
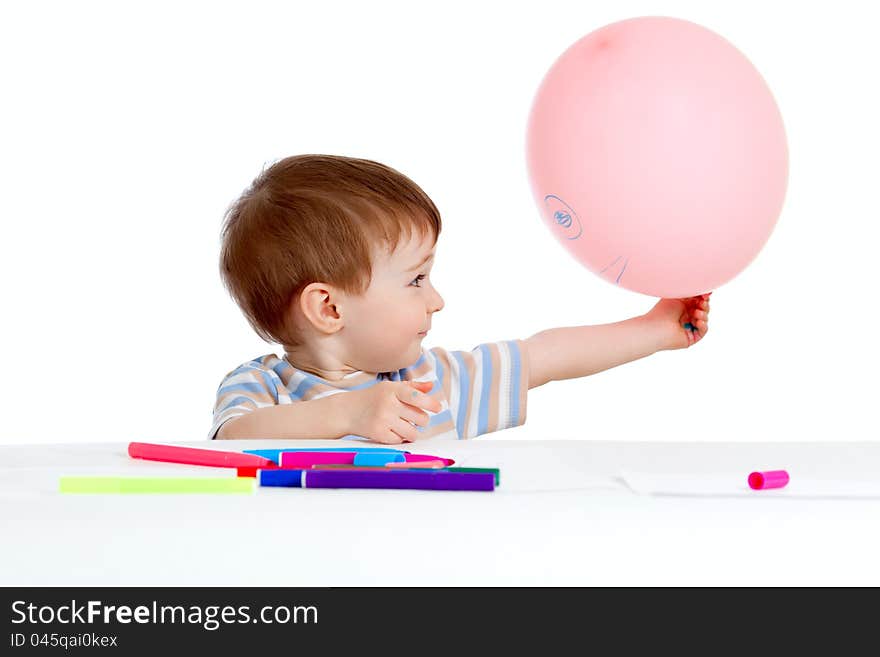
325	256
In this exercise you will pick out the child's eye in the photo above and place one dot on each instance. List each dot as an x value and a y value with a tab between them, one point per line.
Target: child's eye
418	279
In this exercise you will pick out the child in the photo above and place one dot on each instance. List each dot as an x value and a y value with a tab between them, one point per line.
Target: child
331	257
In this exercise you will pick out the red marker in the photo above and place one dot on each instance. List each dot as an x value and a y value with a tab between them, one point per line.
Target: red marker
420	465
194	456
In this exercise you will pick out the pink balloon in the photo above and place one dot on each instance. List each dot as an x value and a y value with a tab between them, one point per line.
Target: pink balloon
658	156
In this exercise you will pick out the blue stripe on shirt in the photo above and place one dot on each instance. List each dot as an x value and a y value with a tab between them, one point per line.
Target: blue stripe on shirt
270	384
515	382
439	372
310	381
304	386
281	367
483	418
439	418
463	392
244	387
247	368
235	401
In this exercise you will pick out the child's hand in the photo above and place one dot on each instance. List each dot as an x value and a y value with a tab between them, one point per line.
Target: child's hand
385	411
680	323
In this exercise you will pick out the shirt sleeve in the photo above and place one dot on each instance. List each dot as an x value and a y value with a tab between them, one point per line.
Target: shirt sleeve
487	387
245	389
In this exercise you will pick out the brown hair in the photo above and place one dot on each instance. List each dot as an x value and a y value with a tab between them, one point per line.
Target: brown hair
312	218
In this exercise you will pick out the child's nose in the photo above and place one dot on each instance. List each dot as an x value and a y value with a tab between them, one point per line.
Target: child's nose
437	302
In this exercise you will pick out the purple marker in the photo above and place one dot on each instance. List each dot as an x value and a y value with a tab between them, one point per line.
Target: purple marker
411	479
299	460
394	479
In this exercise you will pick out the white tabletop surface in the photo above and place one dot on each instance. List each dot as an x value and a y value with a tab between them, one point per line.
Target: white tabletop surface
561	516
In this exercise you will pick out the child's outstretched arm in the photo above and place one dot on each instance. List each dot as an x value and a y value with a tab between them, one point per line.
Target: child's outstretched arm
572	352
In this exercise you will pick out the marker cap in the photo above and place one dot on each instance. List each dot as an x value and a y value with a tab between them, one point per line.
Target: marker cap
366	458
280	478
768	479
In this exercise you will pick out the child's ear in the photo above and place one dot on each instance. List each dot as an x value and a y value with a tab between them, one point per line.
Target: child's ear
317	302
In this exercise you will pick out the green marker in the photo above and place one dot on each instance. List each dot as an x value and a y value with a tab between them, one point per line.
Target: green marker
124	485
494	471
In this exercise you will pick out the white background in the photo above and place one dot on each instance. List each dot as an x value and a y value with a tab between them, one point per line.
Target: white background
126	130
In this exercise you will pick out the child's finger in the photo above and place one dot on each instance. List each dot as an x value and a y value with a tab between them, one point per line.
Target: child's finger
415	415
406	431
418	398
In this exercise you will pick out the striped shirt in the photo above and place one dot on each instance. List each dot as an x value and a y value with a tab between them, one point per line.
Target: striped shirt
480	391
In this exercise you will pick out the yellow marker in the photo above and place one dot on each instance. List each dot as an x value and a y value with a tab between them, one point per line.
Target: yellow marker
123	485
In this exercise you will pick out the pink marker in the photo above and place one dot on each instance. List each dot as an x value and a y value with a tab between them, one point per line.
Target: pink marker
768	479
424	465
416	458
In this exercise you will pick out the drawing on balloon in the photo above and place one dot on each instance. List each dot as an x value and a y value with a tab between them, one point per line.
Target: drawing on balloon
566	219
622	269
567	222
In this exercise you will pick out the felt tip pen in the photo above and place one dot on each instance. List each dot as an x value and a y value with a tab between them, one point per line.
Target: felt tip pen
421	465
275	454
122	485
308	459
415	458
386	479
495	472
195	456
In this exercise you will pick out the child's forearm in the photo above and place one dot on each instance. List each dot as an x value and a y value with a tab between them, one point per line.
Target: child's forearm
303	419
571	352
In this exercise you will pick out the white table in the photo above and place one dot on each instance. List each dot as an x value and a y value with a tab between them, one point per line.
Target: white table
560	517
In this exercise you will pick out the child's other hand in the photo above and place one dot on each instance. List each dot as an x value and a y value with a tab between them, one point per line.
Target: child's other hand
680	323
388	411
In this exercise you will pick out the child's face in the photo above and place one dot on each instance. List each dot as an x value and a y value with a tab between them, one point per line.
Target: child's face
385	326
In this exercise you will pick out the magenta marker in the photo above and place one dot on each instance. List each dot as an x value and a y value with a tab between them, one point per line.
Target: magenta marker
299	460
768	479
